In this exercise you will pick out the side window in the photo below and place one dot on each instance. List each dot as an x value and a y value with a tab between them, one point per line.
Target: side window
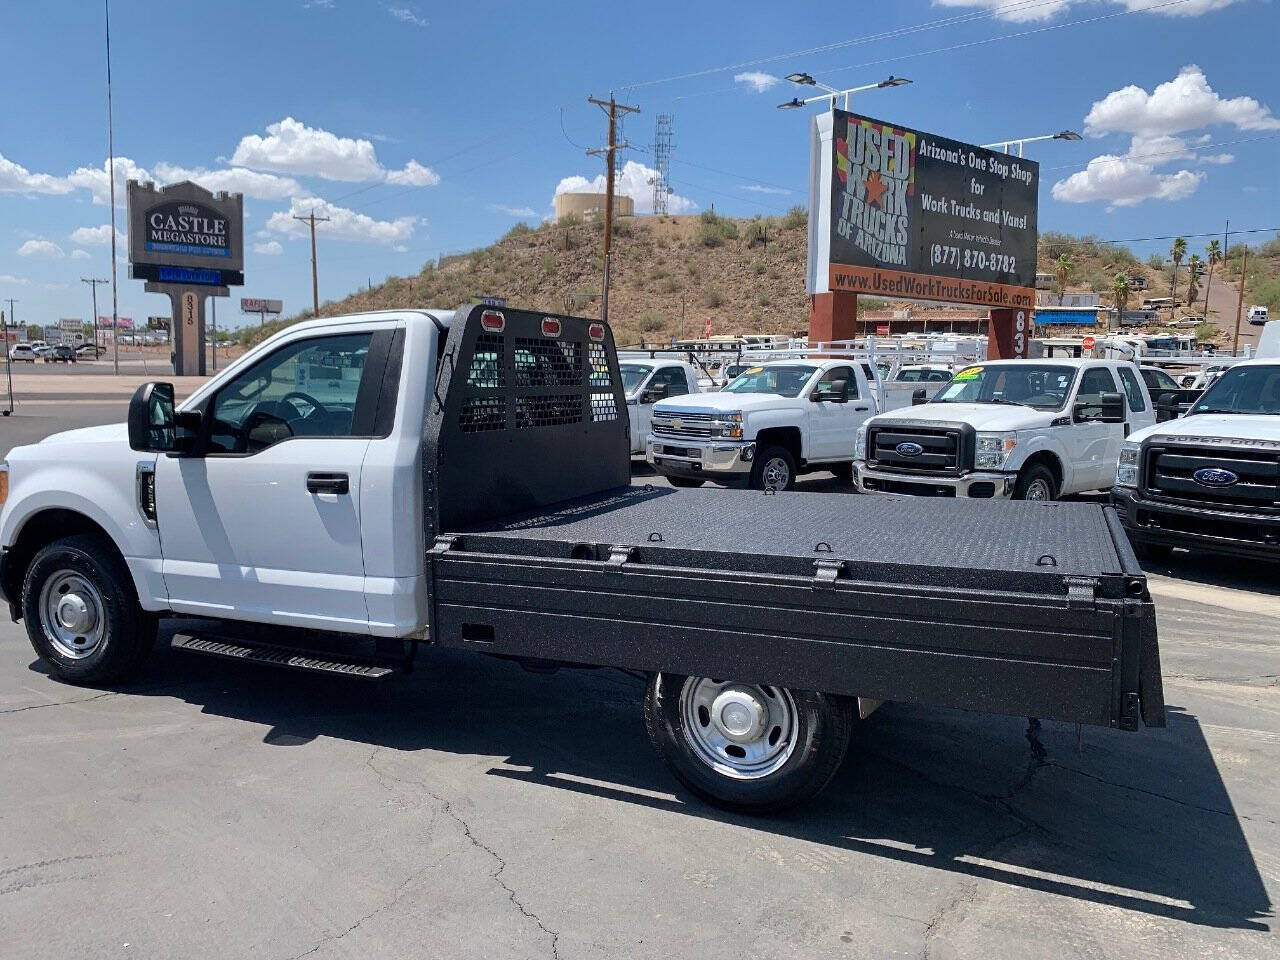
304	389
674	378
836	375
1132	390
1093	384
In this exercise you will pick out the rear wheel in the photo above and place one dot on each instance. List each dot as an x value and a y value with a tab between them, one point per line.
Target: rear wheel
749	747
1036	483
774	469
686	481
81	613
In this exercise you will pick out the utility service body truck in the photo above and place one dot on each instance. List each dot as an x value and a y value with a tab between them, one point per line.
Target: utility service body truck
358	487
1020	429
646	379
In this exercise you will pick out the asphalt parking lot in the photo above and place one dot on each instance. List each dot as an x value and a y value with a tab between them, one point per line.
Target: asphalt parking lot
469	809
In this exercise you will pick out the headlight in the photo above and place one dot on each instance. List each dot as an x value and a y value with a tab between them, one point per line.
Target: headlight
994	449
727	425
860	443
1127	468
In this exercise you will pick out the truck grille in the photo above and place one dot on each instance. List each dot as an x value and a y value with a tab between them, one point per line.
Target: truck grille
684	426
944	450
1169	473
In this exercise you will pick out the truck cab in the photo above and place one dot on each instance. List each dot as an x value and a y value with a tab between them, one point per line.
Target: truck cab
1020	429
769	424
645	381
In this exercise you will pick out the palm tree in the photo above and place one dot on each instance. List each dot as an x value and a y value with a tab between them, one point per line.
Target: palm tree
1214	252
1062	269
1120	291
1178	252
1193	280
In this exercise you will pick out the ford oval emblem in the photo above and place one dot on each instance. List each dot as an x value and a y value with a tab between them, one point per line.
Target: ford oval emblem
908	449
1215	477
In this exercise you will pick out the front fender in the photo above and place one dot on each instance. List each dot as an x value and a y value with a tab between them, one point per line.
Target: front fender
1027	449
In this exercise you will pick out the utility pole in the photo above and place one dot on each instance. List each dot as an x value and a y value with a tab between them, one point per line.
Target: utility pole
612	108
1244	263
94	284
315	283
8	361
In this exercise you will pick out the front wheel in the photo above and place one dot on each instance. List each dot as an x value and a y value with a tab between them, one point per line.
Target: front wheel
774	469
1036	483
81	613
754	748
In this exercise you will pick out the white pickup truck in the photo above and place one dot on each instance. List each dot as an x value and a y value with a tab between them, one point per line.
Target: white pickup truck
771	423
1209	480
356	488
1020	429
645	381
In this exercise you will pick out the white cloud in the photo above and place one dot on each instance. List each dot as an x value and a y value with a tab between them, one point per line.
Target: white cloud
41	249
96	236
400	248
290	146
15	178
414	174
318	5
1028	11
270	248
382	138
80	255
1185	103
1124	182
513	211
1160	149
633	182
261	186
760	188
757	81
343	224
1218	159
408	15
98	183
9	280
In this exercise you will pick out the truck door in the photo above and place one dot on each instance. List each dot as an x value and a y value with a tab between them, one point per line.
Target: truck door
833	425
264	524
1137	401
1095	446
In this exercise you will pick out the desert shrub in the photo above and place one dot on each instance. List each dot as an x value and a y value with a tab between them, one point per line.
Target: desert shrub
569	220
797	218
758	268
651	322
670	285
548	262
519	230
712	298
755	234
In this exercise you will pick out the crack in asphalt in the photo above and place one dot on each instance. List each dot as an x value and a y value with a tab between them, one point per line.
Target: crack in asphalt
62	703
447	808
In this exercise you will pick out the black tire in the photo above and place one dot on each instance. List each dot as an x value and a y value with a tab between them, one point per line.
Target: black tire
686	481
823	724
765	457
1153	552
127	631
1030	480
843	472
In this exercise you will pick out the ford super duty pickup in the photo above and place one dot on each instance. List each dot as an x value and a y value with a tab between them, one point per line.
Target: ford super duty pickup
358	487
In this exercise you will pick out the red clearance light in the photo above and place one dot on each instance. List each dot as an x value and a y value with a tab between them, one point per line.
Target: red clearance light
596	331
493	321
550	327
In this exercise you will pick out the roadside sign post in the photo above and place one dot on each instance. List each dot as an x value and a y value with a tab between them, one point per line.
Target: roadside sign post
261	307
8	361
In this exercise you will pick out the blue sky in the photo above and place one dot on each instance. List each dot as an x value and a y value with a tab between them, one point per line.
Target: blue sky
423	128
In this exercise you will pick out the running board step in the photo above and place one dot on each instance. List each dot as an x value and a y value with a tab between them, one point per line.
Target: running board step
279	656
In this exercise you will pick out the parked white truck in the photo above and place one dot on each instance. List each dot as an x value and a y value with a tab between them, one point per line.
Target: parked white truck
645	381
358	487
1209	480
1020	429
773	422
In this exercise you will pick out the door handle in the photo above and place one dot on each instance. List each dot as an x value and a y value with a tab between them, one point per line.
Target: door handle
862	408
328	483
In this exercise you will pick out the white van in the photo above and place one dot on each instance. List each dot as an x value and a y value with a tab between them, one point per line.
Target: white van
1258	315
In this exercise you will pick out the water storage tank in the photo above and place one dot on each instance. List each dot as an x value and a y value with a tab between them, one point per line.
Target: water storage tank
592	205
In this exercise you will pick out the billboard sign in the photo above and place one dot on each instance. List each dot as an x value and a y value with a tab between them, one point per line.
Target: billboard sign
897	212
258	305
185	225
125	323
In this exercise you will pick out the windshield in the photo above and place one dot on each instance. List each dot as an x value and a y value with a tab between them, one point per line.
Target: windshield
1243	390
1160	379
785	381
923	376
633	375
1029	384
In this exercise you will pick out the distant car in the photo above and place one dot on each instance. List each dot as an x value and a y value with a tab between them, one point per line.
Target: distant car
1188	322
87	351
1157	380
1258	315
39	347
22	351
1137	283
60	353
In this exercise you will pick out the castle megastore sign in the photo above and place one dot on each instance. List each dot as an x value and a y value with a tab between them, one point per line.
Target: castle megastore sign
186	228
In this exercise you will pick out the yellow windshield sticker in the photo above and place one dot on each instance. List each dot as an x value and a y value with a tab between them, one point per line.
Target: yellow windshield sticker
968	373
754	370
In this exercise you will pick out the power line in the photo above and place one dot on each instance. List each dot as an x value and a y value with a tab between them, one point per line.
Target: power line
1085	241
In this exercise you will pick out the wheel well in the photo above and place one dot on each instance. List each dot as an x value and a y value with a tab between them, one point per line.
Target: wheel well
39	531
786	437
1049	460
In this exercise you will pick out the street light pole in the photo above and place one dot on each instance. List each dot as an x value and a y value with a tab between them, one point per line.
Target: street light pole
8	361
94	284
1023	141
804	80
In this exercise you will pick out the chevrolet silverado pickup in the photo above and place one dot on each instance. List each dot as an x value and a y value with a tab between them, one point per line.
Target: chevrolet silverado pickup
357	488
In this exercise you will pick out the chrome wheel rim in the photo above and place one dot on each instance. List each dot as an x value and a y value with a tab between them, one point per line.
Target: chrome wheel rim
71	614
776	474
1038	490
739	730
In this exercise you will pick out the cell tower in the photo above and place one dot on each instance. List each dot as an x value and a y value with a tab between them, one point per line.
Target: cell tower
662	160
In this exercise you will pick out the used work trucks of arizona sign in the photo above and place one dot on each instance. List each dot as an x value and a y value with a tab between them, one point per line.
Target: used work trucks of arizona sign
358	487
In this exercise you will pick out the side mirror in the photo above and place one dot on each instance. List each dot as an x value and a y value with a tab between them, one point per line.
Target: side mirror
1112	408
653	394
919	396
151	418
